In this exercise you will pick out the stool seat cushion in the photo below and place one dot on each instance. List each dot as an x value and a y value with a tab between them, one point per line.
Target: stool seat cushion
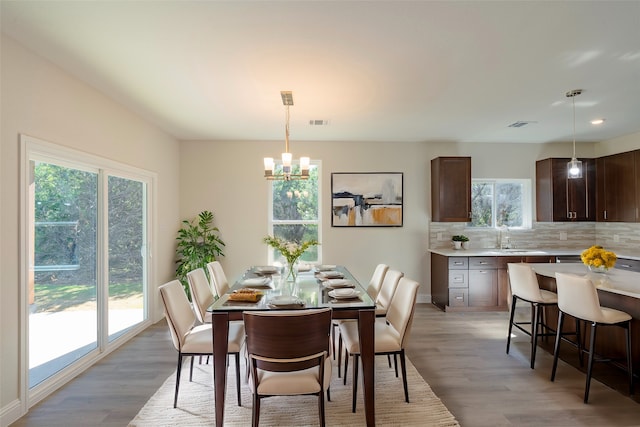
548	297
611	316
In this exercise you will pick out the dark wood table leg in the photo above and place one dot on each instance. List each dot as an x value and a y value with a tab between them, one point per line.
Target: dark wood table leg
220	330
366	319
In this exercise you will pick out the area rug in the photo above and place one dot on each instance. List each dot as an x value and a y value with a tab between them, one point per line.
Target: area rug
196	407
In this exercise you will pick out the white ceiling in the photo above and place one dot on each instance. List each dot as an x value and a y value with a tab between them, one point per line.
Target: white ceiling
376	70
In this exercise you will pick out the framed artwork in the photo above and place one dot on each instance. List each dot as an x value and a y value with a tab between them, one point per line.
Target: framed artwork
366	199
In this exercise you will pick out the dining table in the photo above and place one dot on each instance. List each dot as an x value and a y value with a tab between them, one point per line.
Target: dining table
314	287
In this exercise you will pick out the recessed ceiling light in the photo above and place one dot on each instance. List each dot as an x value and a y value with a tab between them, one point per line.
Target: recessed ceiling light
597	121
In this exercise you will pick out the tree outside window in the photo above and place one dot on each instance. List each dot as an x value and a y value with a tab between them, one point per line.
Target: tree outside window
497	203
295	213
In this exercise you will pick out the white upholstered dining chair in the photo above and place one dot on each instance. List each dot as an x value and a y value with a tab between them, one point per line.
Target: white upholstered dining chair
387	289
190	339
373	288
218	278
391	333
201	294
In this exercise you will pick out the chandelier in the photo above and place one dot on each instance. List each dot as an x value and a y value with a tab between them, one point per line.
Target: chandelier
269	164
574	167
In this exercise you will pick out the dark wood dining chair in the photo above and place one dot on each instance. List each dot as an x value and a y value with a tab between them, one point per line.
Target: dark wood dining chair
288	355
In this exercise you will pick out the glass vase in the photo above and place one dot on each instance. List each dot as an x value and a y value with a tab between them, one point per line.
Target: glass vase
599	275
292	270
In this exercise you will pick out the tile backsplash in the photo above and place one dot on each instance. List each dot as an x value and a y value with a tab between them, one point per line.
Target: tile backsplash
620	237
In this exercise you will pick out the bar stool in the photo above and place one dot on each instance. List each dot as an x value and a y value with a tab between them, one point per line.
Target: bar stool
524	286
578	297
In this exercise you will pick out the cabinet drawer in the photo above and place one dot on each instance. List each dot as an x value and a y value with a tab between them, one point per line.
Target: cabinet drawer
482	262
458	263
458	297
628	264
458	278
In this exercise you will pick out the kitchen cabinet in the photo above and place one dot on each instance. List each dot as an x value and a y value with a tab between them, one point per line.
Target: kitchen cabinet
474	283
617	187
561	199
451	189
483	282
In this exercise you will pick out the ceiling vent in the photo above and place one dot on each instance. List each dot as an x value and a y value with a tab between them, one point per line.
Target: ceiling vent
520	124
318	122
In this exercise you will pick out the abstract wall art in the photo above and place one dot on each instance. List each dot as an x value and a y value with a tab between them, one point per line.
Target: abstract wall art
366	199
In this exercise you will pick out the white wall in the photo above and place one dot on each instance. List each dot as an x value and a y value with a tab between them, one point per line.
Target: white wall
618	145
226	178
40	100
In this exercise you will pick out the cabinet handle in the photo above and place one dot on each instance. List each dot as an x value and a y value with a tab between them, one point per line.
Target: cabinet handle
459	297
624	265
457	263
605	214
483	263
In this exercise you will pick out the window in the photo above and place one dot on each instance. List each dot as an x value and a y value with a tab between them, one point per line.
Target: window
501	202
294	212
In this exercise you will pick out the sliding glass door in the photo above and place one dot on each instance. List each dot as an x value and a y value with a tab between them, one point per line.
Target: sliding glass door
63	287
87	235
127	263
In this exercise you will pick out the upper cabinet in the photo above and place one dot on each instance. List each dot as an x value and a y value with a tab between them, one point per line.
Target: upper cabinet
561	199
451	189
618	186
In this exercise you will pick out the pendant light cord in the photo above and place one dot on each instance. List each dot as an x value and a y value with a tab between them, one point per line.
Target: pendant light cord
573	99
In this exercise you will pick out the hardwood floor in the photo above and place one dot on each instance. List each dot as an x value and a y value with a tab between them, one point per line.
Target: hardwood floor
461	355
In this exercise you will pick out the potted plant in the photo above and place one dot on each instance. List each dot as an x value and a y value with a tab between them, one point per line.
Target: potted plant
199	243
460	241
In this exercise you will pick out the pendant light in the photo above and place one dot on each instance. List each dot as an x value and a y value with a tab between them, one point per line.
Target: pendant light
574	167
269	164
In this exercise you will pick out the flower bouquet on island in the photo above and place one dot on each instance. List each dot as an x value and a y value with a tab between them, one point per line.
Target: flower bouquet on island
290	250
597	259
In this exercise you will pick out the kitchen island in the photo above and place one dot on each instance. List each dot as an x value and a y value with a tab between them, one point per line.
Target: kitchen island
619	289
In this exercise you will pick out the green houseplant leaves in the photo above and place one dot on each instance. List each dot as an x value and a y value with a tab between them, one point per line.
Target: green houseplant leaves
199	243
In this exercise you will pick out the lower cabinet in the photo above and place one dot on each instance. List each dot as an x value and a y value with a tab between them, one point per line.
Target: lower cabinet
473	283
483	282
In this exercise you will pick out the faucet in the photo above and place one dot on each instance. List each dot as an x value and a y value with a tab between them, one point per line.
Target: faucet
503	237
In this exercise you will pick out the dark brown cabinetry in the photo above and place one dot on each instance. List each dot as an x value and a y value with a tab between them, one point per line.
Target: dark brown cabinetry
451	189
473	283
559	198
616	190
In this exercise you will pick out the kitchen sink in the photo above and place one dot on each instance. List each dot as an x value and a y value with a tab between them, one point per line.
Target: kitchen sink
517	252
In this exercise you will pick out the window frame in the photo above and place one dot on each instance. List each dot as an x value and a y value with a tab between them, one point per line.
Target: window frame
271	222
527	203
34	149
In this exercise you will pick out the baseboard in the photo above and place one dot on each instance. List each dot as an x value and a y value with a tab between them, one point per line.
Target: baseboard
11	413
424	299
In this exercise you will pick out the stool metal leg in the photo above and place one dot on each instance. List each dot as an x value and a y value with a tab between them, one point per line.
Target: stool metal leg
513	310
556	348
534	333
629	358
592	346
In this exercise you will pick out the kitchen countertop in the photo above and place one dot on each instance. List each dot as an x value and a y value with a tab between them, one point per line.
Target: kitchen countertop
515	252
615	280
